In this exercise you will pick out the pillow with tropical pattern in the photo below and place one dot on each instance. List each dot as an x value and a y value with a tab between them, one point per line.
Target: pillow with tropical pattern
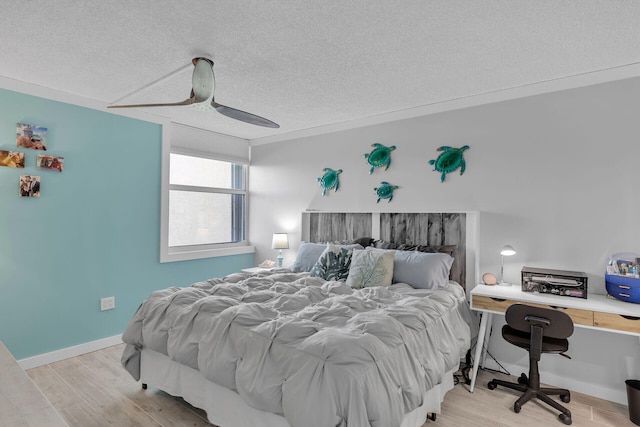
334	262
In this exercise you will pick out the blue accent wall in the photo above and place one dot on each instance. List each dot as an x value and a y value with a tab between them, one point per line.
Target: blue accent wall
94	232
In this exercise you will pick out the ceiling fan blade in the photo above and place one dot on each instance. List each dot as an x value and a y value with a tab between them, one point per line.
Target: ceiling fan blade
243	116
188	101
201	89
201	97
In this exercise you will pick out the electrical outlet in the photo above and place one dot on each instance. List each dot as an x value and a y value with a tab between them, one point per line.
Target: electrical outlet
107	303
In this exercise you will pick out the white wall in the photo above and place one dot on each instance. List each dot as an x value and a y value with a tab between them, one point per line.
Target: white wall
554	175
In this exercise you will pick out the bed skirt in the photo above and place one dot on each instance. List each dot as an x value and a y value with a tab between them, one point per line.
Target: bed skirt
226	408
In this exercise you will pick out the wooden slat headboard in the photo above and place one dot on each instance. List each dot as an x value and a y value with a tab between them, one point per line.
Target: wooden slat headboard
329	227
423	228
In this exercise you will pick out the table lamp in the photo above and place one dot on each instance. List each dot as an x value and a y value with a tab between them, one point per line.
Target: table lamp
280	241
507	250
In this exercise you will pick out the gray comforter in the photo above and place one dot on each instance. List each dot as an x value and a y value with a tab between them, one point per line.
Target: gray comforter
319	353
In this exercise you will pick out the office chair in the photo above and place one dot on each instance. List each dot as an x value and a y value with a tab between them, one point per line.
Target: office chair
537	330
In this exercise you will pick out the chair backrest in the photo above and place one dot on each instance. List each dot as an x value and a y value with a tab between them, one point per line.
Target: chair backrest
555	323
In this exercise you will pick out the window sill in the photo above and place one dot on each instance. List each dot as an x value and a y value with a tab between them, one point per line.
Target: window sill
185	255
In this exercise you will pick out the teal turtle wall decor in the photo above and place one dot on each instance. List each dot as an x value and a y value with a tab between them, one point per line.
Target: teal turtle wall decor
449	160
379	156
329	180
385	191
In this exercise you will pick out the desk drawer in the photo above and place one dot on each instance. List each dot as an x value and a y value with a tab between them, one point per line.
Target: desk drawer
580	317
493	304
617	322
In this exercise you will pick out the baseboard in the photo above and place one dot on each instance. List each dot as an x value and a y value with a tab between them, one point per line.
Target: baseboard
66	353
554	380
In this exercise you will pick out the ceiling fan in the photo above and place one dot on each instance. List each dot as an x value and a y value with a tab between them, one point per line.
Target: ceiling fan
202	99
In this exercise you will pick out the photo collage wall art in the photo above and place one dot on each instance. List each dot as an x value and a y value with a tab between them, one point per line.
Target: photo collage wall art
30	137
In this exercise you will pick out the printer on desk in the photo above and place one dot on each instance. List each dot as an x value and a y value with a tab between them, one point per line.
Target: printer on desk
556	282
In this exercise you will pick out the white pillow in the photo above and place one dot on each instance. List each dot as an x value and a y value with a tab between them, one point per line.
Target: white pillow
422	270
370	267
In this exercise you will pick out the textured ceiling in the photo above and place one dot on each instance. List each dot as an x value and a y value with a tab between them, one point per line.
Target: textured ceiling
306	65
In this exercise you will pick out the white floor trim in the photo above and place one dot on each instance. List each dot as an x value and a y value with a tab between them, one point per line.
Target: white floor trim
66	353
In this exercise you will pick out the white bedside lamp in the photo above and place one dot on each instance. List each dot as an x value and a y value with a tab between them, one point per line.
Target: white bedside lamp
507	250
280	241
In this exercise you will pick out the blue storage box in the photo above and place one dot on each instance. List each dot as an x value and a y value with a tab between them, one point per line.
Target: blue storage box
625	288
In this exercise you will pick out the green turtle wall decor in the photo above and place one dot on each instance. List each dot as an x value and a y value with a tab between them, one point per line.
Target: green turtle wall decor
449	160
329	180
385	191
379	156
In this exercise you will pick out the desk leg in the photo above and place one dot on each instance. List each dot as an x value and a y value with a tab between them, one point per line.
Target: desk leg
486	319
487	335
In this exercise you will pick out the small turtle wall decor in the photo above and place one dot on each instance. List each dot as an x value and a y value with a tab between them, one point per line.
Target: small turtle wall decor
329	180
449	160
385	191
379	156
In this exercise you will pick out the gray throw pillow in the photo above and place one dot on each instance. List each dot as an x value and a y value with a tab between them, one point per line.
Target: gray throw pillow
308	255
422	270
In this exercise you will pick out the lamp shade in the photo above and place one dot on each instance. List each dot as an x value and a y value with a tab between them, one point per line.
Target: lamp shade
280	241
507	250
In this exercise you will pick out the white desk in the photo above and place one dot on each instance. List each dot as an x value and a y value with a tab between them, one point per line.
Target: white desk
595	312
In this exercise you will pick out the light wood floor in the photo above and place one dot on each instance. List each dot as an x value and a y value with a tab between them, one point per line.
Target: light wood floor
93	390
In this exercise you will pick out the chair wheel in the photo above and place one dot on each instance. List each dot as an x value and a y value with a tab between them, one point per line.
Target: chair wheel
522	379
565	419
517	407
566	398
491	385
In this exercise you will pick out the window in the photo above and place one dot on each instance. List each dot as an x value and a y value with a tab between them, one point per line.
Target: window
206	201
204	205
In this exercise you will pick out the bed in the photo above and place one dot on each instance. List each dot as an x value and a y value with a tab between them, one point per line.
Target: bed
305	346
